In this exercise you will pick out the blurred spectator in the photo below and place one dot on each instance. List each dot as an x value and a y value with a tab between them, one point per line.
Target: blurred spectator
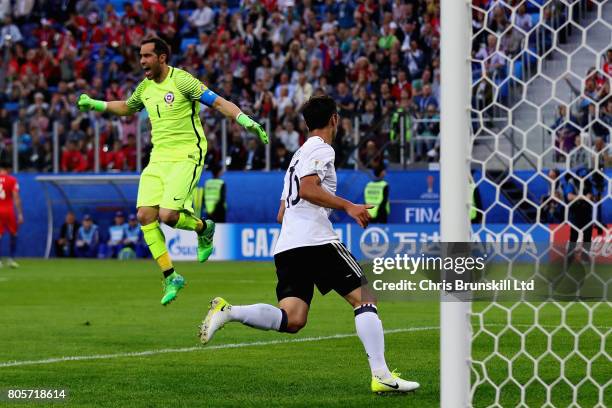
553	210
607	65
289	137
565	129
345	100
425	99
115	159
369	117
38	105
415	59
580	156
237	153
401	85
10	33
343	143
88	239
428	130
284	101
75	134
255	156
282	157
116	235
65	243
303	91
492	58
601	128
277	58
134	238
129	152
602	154
521	19
202	18
371	157
73	160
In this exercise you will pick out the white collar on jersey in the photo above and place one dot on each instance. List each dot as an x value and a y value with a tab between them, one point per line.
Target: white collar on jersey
318	137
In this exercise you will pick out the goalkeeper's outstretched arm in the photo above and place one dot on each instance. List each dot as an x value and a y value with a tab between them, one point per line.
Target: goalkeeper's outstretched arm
230	110
85	104
118	108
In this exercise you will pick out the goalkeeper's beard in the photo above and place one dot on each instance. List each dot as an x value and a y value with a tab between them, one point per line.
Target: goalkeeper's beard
154	72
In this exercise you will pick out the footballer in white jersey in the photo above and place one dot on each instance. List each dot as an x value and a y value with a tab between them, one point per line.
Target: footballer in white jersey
308	253
305	223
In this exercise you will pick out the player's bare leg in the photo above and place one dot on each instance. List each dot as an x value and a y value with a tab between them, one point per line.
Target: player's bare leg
187	221
289	317
154	237
370	331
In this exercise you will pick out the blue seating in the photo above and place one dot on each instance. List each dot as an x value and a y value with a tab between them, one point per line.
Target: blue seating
532	6
11	106
186	42
517	69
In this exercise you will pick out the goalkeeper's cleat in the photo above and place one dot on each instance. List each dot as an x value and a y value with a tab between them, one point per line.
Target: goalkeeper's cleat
11	263
218	314
392	384
172	284
205	241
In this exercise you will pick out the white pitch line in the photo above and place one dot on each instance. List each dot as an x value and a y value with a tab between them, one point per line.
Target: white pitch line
200	348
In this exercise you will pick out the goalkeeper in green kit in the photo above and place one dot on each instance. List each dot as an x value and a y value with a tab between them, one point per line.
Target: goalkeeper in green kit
172	99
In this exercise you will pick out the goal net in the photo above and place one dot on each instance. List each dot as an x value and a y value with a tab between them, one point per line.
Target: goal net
540	123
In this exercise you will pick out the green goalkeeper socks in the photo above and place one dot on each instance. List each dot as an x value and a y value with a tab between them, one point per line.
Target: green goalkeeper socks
154	237
189	222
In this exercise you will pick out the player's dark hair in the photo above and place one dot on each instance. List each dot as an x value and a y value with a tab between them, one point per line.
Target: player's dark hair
215	170
378	170
318	110
161	47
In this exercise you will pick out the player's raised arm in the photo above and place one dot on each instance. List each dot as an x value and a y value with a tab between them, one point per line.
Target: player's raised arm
230	110
193	89
86	104
121	108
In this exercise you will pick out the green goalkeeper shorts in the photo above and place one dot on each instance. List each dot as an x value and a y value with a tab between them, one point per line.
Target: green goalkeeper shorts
168	185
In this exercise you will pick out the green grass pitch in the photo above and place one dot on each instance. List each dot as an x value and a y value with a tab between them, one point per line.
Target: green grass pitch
64	308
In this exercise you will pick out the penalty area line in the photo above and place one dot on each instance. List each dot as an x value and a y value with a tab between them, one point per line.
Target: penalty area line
200	348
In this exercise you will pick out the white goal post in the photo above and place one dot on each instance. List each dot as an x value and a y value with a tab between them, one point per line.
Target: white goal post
454	204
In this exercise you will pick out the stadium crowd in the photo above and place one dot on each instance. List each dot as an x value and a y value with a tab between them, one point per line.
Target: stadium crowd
379	59
373	56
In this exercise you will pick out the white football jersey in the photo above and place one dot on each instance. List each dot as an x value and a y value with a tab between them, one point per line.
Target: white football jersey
304	223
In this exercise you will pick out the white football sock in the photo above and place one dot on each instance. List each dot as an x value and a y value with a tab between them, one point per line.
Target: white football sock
260	316
370	332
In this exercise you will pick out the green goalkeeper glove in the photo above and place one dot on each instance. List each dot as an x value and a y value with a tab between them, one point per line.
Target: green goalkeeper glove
252	126
85	104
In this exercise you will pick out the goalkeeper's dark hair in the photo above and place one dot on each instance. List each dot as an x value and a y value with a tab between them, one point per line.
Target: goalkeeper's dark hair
318	110
160	46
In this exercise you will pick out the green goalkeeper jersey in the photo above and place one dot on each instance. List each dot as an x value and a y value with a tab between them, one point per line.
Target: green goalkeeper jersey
173	106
